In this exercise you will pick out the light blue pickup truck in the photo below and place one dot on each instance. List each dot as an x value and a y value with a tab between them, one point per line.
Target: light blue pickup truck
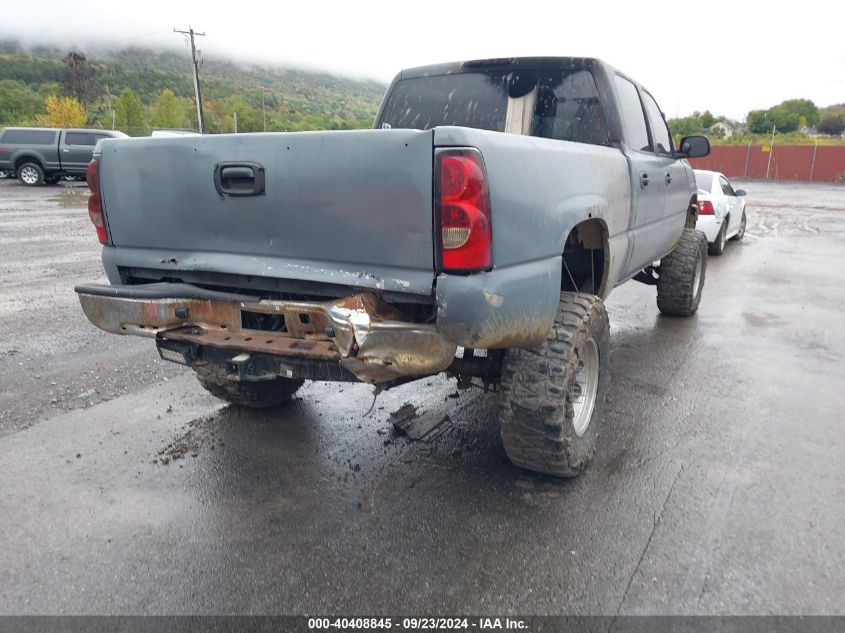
476	231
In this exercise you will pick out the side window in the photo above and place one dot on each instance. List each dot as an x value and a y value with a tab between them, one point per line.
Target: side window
78	138
659	131
29	137
726	187
99	137
568	109
632	115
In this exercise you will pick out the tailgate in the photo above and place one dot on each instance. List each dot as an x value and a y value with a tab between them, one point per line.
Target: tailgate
345	207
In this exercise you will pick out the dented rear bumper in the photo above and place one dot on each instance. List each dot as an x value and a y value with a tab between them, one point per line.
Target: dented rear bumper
369	338
365	335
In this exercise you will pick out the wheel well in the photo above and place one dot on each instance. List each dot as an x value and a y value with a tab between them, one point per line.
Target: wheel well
692	212
27	159
585	258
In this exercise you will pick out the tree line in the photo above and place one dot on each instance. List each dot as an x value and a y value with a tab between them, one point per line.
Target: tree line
789	119
138	90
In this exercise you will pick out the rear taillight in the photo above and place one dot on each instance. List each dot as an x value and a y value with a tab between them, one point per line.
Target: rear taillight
95	201
464	211
705	207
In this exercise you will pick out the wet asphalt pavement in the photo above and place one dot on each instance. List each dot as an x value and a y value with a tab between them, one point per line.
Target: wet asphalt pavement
718	486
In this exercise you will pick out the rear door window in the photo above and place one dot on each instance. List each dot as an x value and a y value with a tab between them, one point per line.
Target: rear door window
726	187
568	109
632	115
29	137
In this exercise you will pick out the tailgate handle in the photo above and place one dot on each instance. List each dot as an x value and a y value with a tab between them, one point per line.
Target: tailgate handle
239	179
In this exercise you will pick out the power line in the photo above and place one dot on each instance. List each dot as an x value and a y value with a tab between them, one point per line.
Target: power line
190	34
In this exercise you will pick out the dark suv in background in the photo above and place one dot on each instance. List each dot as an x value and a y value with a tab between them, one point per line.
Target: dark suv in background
43	155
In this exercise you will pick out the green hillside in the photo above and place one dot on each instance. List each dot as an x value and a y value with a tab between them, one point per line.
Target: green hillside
283	99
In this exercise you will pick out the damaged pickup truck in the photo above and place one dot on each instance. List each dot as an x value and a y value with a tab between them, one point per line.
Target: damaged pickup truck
475	231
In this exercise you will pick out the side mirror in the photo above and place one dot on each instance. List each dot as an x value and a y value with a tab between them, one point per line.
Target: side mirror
694	147
740	192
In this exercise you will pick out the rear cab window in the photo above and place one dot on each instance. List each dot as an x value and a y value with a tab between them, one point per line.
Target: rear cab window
29	137
566	103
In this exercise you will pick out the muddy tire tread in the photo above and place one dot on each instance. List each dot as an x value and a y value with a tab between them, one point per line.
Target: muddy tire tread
535	414
677	272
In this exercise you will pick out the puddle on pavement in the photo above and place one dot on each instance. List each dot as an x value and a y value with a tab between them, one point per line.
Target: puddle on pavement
74	198
761	320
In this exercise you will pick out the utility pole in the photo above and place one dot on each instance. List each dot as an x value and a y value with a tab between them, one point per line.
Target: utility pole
263	112
771	151
190	34
235	117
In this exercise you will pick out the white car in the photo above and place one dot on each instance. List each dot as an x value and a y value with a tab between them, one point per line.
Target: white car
721	210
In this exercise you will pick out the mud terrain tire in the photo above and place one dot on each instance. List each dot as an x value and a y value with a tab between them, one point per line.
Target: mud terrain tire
255	395
681	278
539	420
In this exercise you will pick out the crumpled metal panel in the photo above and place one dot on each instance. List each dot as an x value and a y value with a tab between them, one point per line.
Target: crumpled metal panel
368	336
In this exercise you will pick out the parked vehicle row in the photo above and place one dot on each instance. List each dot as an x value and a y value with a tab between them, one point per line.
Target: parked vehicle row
44	155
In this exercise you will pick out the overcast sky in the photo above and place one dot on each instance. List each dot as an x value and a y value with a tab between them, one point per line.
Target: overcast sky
728	57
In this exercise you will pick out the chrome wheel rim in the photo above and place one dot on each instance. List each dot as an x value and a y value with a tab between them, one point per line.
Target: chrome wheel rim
29	175
696	283
586	387
742	226
723	237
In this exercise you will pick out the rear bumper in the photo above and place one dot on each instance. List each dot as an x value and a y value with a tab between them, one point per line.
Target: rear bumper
365	335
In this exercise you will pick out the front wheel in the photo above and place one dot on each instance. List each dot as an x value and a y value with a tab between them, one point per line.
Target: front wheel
552	397
31	174
681	275
260	394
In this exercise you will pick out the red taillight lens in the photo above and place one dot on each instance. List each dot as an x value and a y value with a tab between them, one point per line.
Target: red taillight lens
705	207
465	233
95	202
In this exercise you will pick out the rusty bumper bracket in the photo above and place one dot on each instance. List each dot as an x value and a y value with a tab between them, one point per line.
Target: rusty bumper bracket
363	333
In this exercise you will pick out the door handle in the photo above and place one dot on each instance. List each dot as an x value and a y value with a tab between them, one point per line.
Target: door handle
65	150
643	180
668	179
239	179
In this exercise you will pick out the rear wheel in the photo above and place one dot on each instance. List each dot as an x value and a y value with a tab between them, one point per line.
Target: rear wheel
681	278
31	174
741	233
552	396
718	246
255	395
